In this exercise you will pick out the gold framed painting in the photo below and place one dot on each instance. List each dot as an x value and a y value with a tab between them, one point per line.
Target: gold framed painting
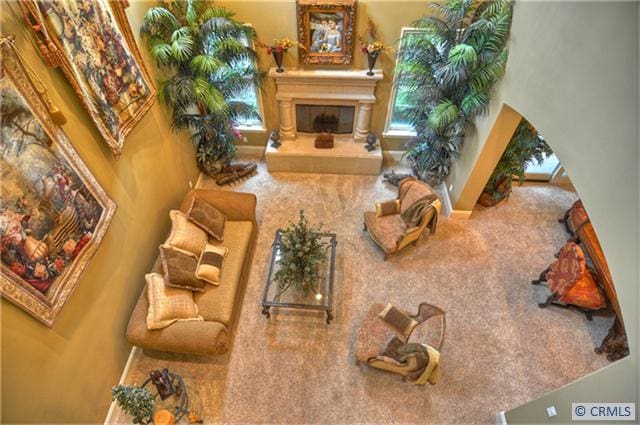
53	212
92	43
325	30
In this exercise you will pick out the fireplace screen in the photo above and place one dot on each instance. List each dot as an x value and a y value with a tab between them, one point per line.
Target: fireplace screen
318	118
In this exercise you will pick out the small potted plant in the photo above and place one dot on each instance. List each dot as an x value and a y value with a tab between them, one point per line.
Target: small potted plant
302	256
279	47
135	401
372	47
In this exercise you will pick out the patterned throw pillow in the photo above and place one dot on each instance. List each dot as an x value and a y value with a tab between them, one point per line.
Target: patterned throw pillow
208	218
387	208
210	263
179	268
398	319
184	234
168	305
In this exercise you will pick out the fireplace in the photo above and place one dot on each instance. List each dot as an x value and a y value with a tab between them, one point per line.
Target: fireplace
313	101
318	118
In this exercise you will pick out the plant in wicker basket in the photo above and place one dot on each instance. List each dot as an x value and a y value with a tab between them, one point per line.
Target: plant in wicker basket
137	402
302	254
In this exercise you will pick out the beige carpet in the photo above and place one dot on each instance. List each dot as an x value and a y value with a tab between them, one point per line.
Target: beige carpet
500	350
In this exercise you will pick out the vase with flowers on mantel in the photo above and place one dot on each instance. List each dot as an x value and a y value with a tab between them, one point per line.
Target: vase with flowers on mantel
373	50
279	47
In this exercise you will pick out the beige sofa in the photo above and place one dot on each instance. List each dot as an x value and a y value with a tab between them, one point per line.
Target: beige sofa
217	304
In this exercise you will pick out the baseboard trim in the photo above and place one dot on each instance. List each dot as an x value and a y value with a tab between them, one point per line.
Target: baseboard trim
125	372
500	419
461	214
445	198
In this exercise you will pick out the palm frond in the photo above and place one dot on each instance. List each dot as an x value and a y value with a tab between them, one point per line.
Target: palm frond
162	54
443	114
474	103
159	21
206	64
488	73
463	56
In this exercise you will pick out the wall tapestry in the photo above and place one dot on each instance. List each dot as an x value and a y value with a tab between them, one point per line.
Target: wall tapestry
53	213
92	43
325	29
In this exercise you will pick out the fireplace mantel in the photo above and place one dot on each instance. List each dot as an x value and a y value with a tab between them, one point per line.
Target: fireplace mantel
353	87
330	88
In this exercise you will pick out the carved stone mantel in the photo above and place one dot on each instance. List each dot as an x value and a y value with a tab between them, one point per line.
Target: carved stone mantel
325	87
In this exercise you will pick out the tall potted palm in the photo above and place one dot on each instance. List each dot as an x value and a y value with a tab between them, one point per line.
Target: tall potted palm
208	55
450	67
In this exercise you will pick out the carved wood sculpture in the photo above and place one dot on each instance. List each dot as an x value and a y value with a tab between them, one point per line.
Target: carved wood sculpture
232	173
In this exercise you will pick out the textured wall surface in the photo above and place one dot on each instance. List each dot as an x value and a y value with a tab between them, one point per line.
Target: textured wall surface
573	73
64	374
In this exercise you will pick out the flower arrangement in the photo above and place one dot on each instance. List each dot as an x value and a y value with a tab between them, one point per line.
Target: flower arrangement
280	45
375	48
370	44
302	253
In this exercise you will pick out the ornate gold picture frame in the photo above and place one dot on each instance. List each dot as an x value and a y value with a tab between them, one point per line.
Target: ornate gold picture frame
92	43
325	30
53	212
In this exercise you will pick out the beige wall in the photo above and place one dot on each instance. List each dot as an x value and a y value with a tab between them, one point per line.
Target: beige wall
573	73
64	374
277	19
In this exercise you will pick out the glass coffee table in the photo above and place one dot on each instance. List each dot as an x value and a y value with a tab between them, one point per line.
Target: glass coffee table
318	298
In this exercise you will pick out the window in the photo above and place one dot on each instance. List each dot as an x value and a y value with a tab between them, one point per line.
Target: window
250	96
397	121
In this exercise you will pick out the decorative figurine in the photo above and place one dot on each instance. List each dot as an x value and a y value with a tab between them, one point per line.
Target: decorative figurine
393	178
324	140
274	137
371	142
163	383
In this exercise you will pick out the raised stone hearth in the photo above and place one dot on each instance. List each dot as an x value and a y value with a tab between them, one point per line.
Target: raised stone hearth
329	99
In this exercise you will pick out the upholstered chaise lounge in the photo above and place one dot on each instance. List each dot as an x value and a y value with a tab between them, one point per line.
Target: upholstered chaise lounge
217	304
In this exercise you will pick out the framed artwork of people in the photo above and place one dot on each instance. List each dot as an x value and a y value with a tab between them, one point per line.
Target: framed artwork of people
325	30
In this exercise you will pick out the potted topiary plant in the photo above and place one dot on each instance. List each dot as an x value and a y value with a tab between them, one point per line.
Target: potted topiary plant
302	256
211	64
135	401
525	147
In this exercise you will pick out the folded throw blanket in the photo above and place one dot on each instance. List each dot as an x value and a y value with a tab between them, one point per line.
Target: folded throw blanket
413	215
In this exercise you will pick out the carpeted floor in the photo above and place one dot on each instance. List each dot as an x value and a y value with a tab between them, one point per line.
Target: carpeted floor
500	351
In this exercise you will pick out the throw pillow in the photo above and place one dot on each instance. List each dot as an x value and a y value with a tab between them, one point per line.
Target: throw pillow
179	268
387	208
184	234
210	263
168	305
398	319
208	218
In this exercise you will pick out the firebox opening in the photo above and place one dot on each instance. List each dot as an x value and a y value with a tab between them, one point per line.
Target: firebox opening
318	118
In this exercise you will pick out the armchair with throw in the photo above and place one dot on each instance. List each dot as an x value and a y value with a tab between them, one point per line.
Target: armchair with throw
396	224
409	345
